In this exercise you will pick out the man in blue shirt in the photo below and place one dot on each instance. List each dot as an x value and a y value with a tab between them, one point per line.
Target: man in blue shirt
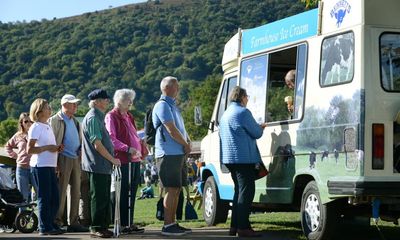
171	148
67	129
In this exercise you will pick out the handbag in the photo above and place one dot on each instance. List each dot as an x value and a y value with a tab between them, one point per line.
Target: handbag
145	149
160	209
190	213
260	170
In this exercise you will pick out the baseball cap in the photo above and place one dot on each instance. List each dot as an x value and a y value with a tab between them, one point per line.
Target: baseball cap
68	98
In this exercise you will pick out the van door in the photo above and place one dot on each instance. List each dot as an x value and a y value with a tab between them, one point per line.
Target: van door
212	139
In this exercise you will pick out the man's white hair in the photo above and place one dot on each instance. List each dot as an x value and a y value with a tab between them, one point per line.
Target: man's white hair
122	94
167	82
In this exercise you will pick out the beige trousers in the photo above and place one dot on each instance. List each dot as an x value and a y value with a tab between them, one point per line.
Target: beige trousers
69	174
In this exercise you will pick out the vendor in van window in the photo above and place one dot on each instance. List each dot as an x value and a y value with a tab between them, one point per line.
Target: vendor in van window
290	83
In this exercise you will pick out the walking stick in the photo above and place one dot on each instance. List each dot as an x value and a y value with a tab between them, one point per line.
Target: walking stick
130	193
117	221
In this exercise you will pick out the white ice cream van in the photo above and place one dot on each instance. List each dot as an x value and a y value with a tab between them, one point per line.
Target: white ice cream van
336	155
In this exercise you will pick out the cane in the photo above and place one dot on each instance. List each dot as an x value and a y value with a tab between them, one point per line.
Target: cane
117	220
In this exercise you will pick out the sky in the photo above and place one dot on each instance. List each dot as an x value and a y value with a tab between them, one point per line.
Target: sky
19	10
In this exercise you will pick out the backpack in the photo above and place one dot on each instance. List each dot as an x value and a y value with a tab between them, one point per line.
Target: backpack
149	130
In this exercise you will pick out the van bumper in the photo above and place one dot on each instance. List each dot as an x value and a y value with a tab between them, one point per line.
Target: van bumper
364	188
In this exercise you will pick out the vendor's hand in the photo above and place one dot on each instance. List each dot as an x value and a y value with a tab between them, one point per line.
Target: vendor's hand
263	125
290	108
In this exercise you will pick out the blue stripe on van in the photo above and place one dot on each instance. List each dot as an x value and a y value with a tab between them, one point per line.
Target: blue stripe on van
225	191
284	31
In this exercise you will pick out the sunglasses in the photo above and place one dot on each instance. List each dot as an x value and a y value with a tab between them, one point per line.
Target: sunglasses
27	121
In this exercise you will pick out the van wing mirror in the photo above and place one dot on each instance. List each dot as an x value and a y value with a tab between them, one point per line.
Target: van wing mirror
211	126
198	120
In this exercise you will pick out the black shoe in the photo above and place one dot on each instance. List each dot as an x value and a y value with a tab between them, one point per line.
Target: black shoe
172	230
52	232
232	231
77	228
187	230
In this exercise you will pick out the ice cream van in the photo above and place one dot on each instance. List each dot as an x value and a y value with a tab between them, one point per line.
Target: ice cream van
332	144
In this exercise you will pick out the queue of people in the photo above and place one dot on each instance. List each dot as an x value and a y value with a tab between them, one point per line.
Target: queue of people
54	152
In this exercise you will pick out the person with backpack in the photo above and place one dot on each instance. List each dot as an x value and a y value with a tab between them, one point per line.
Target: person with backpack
172	145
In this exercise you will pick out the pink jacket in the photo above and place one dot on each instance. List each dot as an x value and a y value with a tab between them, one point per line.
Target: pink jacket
122	130
18	142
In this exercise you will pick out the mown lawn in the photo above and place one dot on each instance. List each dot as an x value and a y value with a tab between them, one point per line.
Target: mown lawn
283	225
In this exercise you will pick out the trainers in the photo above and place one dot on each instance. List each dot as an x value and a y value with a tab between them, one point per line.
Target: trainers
187	230
132	229
172	230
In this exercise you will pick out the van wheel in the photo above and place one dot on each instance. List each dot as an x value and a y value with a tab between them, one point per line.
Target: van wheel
317	220
215	210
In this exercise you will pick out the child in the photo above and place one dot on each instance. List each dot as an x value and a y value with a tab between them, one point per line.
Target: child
147	192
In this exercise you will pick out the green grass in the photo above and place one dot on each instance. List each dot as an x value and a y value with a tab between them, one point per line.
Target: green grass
284	225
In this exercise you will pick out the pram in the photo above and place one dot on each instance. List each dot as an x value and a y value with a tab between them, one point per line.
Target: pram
11	201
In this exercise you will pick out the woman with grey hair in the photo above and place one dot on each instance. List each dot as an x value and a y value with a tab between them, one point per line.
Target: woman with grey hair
238	134
128	147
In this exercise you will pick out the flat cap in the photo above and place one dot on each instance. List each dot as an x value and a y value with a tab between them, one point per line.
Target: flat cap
98	93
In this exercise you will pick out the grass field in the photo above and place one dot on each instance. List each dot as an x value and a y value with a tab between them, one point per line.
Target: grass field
284	225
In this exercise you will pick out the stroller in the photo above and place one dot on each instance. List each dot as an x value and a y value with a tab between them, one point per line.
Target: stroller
11	200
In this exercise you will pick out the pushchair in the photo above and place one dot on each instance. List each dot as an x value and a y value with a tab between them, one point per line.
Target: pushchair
11	201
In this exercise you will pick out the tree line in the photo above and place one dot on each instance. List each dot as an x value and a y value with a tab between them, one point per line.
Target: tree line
133	46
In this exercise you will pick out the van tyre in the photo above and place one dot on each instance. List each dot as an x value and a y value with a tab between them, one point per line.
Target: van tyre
317	220
215	210
26	222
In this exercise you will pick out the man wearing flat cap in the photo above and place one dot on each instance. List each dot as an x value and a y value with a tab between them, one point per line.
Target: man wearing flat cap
97	160
67	131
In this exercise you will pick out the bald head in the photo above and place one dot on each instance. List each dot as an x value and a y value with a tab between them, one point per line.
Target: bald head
290	78
169	86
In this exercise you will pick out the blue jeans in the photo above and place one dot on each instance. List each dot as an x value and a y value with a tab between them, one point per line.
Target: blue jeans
47	195
243	176
25	182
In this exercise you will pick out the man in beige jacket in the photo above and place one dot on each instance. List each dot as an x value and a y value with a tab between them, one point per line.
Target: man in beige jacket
67	131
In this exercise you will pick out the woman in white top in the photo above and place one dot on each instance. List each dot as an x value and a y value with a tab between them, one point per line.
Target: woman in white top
42	146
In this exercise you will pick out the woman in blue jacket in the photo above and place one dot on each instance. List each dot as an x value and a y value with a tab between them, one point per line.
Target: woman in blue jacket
238	133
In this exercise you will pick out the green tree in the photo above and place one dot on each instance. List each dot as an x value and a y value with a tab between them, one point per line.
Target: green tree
8	128
203	96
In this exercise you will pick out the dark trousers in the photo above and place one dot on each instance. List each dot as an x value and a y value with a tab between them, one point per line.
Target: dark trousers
124	200
243	176
100	201
48	196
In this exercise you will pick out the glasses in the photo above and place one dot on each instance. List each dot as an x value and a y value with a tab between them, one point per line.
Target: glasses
27	121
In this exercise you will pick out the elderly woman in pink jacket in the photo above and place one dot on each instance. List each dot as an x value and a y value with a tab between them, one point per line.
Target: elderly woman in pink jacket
16	148
128	147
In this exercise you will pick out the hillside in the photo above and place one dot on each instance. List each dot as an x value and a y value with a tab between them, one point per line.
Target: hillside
128	47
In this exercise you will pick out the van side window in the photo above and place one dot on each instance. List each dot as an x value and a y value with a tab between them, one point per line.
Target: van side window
337	59
224	101
286	80
390	61
253	78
